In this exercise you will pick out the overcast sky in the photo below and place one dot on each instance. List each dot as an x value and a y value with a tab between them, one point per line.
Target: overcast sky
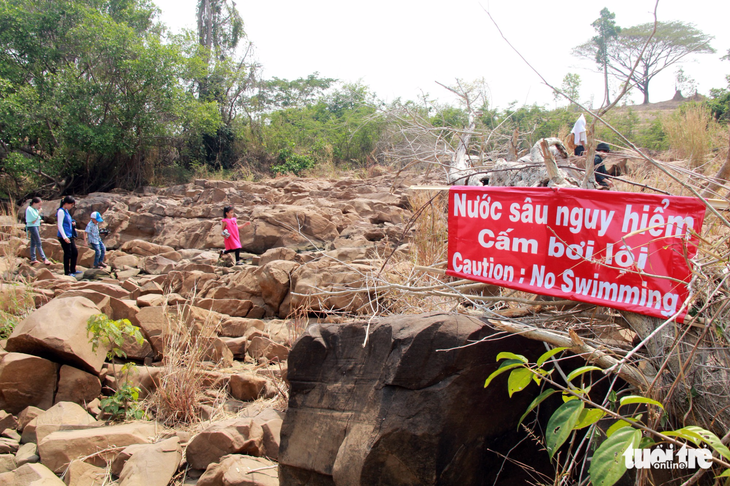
400	48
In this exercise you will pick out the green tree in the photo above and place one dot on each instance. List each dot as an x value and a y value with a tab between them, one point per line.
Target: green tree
340	127
570	87
87	92
720	98
671	43
226	75
607	30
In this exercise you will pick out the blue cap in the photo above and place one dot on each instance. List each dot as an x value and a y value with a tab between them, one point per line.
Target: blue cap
97	216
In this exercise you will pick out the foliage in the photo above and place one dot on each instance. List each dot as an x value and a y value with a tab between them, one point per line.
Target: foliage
720	98
341	126
607	30
719	104
672	42
88	89
124	403
578	412
277	93
290	161
112	334
570	87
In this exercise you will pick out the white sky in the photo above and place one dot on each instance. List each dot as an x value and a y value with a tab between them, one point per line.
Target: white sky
400	48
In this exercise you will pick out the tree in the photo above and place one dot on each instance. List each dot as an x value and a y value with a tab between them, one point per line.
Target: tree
226	72
607	31
720	98
570	87
671	43
87	90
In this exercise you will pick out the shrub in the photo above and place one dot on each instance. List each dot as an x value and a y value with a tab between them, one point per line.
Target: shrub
290	161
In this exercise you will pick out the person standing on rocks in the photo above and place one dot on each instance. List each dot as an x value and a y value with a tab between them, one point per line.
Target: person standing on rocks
579	135
67	235
33	216
93	239
230	232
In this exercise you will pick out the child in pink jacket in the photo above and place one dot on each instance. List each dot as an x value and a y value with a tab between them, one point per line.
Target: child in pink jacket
229	227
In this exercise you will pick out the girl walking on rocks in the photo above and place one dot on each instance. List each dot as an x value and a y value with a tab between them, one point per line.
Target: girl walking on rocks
229	230
33	216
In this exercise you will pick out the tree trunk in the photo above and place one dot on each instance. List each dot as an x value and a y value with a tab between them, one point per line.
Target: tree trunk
607	96
694	379
644	88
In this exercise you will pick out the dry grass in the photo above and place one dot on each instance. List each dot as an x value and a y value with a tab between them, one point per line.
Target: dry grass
16	291
429	244
689	133
11	239
16	303
183	388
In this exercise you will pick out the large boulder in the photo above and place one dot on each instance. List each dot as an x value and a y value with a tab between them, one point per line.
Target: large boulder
30	475
289	226
325	286
240	470
77	386
409	407
148	464
145	248
26	380
61	414
239	435
59	448
57	331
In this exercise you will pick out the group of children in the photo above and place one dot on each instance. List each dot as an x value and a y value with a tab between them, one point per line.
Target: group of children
92	237
66	235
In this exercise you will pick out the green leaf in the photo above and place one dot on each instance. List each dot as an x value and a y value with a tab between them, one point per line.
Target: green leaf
628	400
608	463
561	424
549	354
571	395
508	355
499	371
697	435
646	443
583	369
725	474
686	433
589	417
518	380
619	424
537	401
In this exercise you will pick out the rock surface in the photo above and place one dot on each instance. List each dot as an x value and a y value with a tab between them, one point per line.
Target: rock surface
408	408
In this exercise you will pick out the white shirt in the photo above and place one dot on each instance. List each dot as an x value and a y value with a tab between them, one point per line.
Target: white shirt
579	131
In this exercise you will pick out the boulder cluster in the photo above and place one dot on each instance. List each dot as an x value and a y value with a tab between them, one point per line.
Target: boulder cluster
309	248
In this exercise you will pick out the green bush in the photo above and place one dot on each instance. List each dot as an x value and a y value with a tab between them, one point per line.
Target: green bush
292	162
